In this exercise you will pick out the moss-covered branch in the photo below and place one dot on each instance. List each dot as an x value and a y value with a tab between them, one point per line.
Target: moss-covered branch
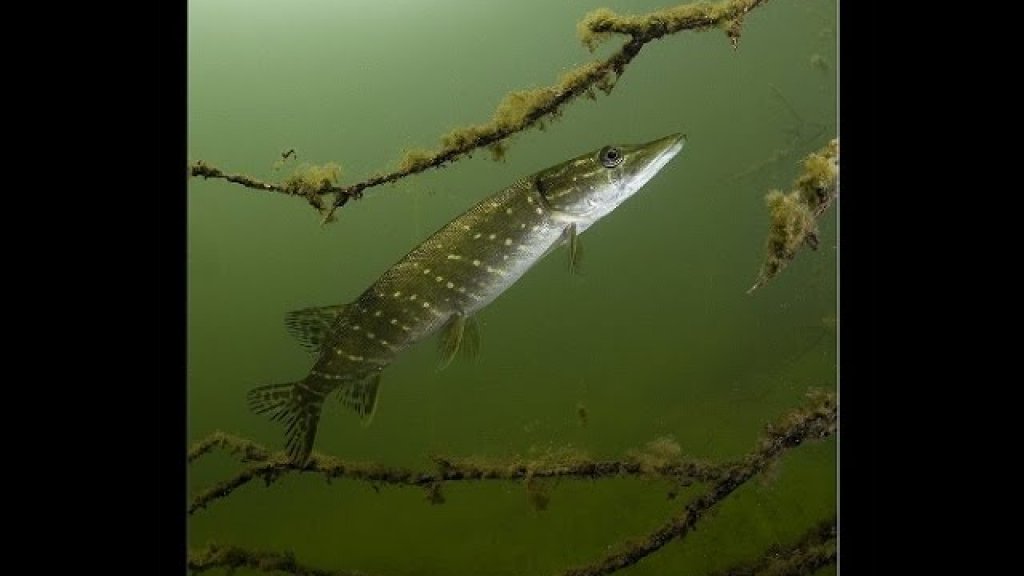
659	459
794	216
523	109
814	421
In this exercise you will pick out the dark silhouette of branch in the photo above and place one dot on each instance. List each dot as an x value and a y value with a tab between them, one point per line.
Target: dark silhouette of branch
812	552
234	557
800	133
521	110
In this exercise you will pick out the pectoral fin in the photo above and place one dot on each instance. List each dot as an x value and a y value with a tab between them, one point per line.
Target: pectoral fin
575	249
458	334
310	326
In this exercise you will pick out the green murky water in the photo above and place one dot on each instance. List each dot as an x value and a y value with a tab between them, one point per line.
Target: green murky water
656	338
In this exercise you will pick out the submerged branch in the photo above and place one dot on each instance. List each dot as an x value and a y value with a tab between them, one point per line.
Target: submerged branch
794	216
521	110
815	421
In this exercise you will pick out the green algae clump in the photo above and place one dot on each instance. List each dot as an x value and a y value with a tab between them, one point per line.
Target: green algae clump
309	179
312	181
415	160
658	455
599	19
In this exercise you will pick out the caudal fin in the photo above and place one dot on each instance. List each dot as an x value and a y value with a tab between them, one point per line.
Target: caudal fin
295	405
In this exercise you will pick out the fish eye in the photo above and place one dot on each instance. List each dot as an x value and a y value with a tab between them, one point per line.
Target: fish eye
610	156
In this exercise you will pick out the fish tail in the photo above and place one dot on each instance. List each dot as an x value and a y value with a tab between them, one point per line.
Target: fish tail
297	405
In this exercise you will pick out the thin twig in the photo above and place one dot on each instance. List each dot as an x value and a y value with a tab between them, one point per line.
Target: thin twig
797	141
785	103
247	449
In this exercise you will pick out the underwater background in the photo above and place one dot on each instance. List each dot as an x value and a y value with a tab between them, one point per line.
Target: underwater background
657	338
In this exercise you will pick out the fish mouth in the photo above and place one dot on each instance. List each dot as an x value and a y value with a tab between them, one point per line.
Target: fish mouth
666	148
659	151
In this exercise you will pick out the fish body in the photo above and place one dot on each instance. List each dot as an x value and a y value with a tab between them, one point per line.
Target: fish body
439	285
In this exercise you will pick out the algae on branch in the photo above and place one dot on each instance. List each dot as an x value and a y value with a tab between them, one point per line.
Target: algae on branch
311	181
794	215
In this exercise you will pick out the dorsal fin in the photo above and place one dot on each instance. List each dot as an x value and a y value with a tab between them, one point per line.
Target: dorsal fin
311	325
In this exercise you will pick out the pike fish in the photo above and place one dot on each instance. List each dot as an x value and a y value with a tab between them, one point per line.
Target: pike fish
444	281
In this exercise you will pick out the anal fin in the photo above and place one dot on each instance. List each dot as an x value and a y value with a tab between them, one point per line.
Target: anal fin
311	326
459	334
360	396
